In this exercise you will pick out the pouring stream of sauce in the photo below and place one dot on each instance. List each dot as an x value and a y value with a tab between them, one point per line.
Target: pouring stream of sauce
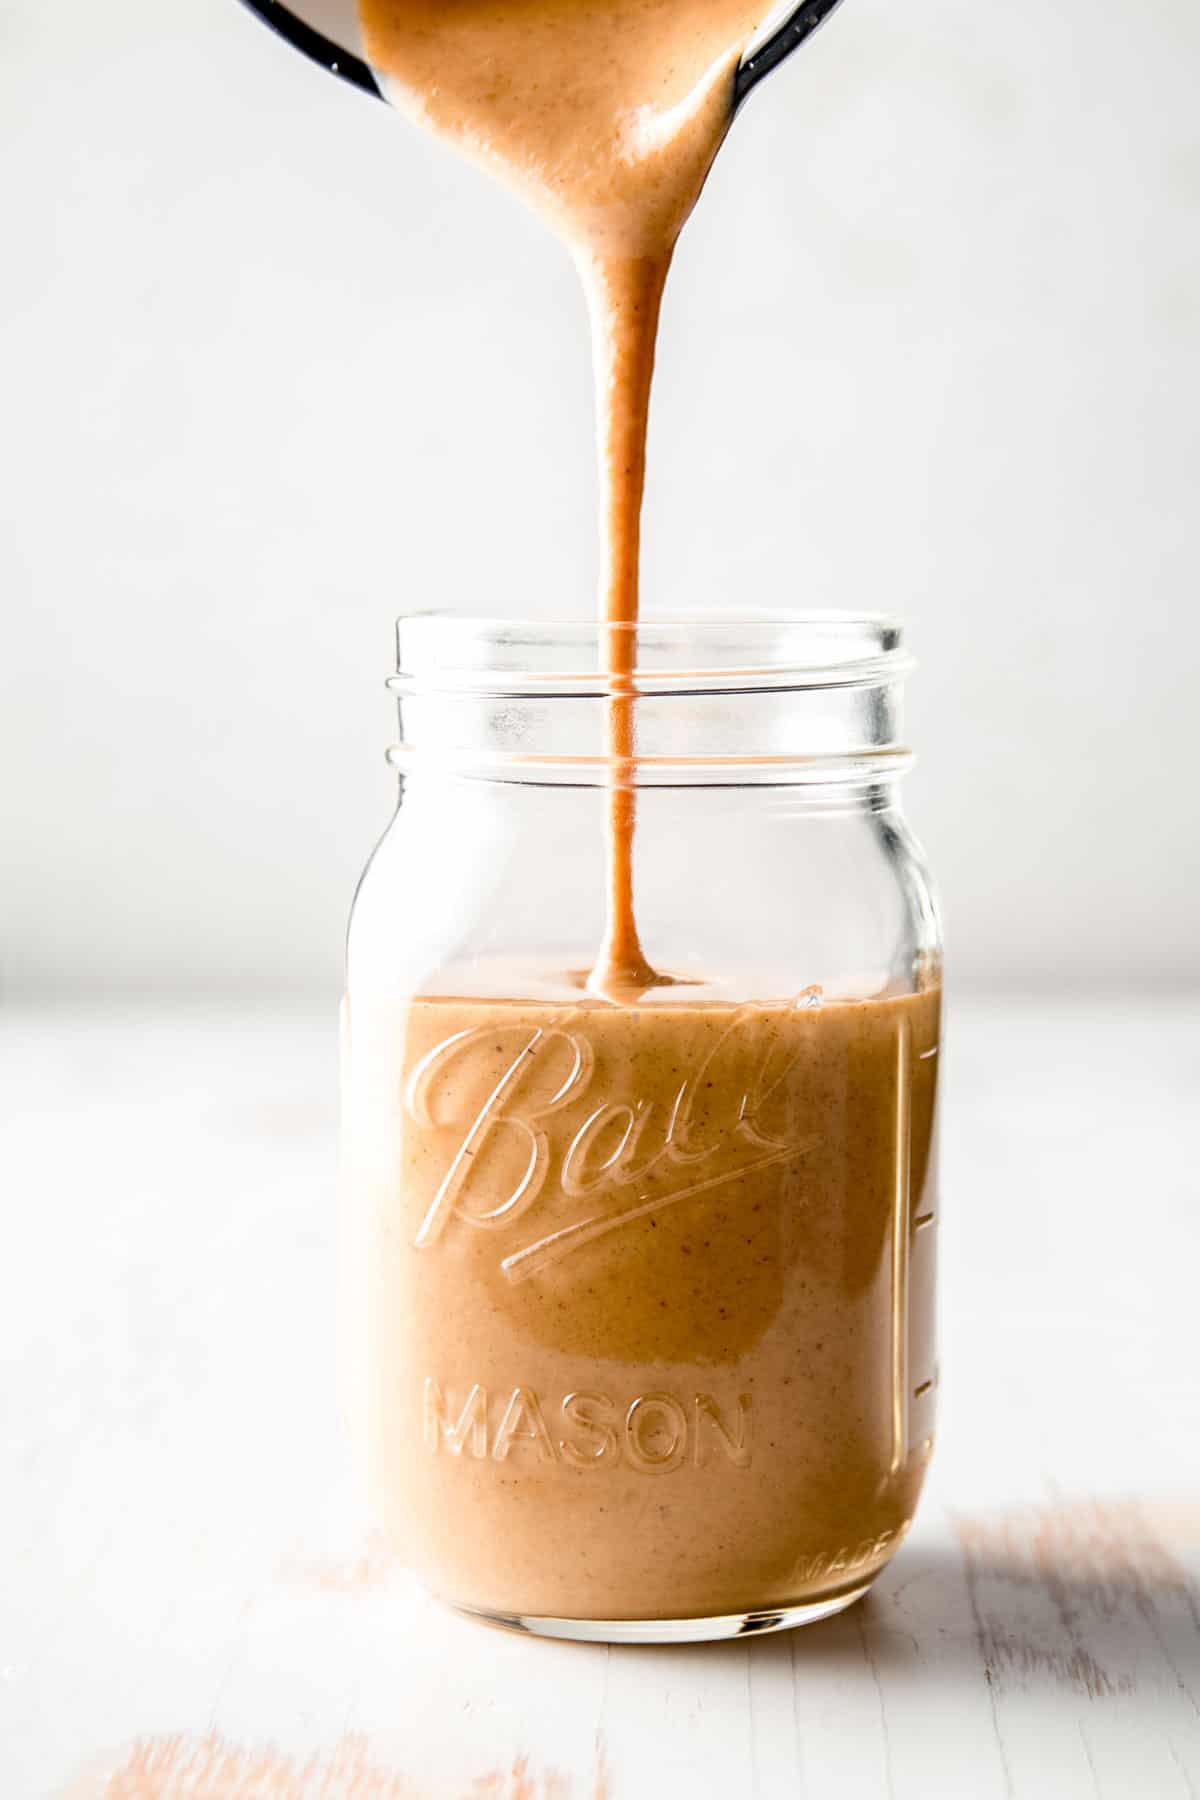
606	116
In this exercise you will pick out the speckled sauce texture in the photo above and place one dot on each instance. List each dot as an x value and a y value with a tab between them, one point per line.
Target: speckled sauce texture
638	1300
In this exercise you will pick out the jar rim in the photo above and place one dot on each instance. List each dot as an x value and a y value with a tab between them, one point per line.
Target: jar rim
700	652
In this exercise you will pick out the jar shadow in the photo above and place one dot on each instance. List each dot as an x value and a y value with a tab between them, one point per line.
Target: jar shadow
1092	1599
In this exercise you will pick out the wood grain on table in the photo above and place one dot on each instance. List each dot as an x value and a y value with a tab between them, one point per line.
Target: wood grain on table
194	1605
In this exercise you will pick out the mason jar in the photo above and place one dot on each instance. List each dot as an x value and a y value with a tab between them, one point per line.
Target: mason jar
638	1290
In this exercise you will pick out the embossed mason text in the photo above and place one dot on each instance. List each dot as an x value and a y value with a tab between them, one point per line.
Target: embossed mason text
655	1432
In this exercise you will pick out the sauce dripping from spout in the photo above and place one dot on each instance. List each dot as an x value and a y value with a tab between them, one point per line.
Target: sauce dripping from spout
606	116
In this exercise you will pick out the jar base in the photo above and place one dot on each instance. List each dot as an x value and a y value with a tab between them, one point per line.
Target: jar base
668	1631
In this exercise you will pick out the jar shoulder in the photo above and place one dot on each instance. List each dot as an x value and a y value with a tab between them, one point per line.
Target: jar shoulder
760	889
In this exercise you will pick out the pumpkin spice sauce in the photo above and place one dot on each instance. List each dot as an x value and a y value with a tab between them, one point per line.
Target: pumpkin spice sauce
606	116
642	1297
638	1285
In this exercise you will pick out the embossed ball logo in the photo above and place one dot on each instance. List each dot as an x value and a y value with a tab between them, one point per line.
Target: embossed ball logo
631	1158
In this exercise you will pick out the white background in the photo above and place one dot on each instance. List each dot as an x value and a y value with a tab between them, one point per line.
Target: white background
273	369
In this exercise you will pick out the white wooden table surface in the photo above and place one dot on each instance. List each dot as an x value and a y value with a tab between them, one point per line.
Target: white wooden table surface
193	1605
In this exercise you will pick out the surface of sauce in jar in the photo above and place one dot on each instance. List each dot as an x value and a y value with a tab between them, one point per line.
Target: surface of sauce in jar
606	115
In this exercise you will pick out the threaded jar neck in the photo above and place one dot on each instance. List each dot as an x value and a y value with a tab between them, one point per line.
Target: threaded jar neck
752	699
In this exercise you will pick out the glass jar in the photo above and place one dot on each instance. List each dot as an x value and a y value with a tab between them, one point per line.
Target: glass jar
638	1294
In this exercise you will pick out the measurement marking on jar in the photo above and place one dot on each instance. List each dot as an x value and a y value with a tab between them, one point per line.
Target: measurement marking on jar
923	1389
901	1218
923	1220
925	1055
